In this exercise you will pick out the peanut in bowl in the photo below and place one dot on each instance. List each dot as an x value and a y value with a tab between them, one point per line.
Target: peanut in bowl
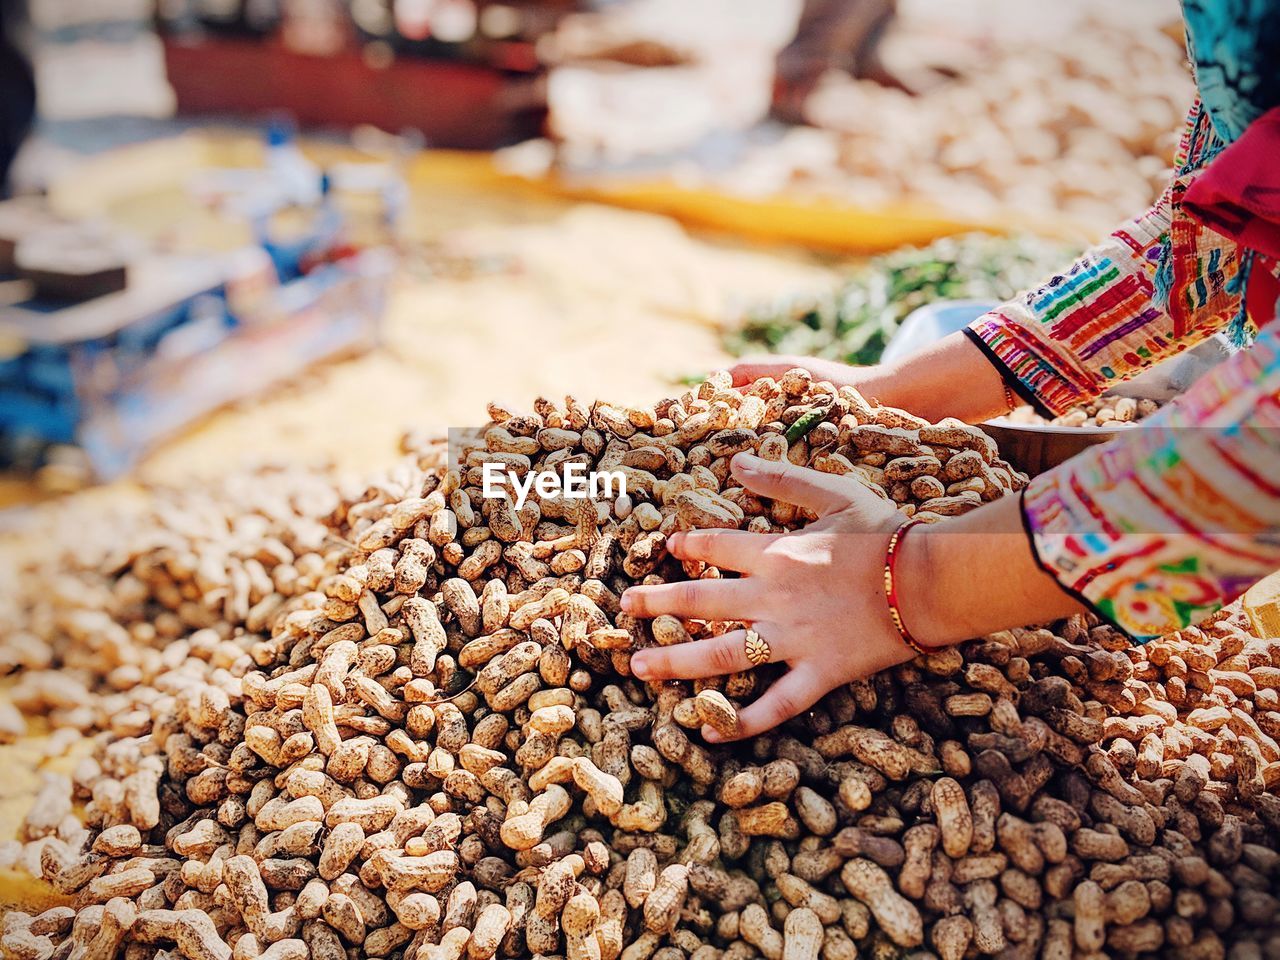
1033	444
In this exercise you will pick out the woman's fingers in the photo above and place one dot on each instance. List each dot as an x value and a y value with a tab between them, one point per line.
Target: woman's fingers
754	368
823	493
727	549
712	657
735	599
794	692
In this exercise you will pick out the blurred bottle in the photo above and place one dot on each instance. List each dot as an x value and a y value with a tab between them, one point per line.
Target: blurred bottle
317	27
413	19
436	29
373	19
262	17
256	18
220	16
455	21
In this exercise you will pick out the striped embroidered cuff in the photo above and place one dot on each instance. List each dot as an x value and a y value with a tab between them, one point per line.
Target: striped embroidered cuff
1030	366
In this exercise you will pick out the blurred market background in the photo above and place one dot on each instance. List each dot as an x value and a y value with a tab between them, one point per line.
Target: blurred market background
248	230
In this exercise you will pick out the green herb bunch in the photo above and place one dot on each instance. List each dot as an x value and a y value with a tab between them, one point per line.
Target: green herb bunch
854	322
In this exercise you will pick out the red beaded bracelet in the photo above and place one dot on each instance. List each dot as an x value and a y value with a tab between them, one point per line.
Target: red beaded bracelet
1010	399
891	587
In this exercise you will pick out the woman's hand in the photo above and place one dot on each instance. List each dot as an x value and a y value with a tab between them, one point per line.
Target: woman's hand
924	382
815	596
751	369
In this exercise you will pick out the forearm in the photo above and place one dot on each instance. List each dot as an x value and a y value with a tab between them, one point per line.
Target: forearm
973	575
1155	287
1166	524
951	378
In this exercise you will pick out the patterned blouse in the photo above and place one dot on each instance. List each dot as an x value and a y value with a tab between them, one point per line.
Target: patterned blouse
1166	525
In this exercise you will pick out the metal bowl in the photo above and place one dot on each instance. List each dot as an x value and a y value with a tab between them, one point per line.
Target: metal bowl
1034	447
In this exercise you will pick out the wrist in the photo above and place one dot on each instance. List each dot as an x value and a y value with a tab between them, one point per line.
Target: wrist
914	573
881	383
923	382
970	575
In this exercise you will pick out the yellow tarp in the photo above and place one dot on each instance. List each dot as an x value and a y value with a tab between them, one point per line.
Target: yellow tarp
787	219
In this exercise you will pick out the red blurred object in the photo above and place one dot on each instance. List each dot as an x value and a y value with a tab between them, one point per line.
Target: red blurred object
455	105
335	254
514	55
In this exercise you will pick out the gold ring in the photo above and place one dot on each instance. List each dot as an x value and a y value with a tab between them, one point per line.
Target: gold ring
757	648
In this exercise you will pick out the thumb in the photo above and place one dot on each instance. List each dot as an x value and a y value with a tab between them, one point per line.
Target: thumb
823	493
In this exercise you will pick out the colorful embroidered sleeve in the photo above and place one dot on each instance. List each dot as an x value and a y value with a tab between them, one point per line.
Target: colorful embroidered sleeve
1169	523
1157	286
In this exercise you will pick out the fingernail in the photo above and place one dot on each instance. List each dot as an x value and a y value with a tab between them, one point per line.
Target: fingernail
675	543
627	603
640	665
744	463
711	734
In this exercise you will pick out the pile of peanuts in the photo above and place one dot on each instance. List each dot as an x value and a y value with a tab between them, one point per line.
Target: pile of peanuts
1107	411
1071	125
399	721
1079	125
